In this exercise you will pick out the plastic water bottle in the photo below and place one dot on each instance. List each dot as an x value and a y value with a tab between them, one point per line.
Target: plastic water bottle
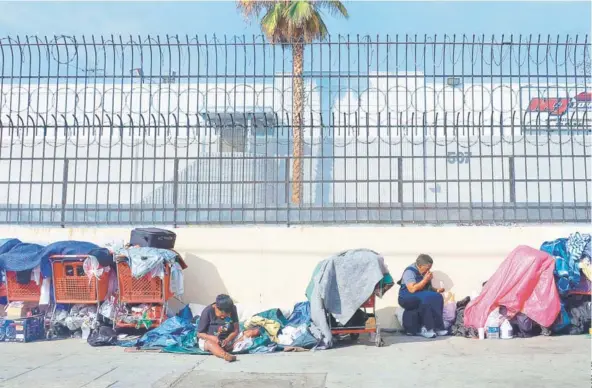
493	332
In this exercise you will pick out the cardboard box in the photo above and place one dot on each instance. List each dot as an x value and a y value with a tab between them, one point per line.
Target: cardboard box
23	329
20	309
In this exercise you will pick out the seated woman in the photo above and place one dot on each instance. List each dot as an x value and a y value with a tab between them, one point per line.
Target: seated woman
417	295
218	328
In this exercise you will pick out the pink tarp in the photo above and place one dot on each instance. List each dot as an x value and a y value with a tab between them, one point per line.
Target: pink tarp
524	283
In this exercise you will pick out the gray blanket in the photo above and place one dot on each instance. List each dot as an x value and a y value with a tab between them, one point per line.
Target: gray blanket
341	284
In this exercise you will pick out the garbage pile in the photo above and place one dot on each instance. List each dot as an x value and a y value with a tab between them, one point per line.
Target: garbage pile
76	286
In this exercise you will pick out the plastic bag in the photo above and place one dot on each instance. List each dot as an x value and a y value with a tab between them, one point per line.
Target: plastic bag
244	344
85	331
103	336
448	297
449	311
45	292
399	311
92	268
449	314
107	309
36	275
176	286
113	284
494	319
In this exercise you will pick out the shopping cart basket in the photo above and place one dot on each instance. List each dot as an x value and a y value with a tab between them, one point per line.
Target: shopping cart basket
371	328
145	290
71	284
29	292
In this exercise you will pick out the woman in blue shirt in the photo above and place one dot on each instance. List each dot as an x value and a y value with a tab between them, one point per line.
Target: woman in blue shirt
417	295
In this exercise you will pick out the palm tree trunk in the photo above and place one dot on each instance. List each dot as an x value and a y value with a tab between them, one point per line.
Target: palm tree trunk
297	113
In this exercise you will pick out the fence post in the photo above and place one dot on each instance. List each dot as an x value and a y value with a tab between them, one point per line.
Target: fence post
287	190
512	179
400	181
64	193
175	190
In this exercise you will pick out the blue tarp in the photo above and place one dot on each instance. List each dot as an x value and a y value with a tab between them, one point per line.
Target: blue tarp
7	244
169	333
63	248
300	315
178	335
23	256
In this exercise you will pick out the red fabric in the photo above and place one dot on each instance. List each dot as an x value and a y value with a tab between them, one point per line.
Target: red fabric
524	283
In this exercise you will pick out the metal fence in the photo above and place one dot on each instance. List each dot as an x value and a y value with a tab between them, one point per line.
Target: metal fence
399	130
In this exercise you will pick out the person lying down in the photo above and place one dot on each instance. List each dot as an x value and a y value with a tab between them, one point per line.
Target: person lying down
218	330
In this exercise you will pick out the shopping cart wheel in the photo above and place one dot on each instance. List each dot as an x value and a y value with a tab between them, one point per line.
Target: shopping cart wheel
354	337
378	341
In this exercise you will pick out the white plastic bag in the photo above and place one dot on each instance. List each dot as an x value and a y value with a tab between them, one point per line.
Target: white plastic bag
36	275
494	319
399	311
45	291
92	268
243	344
107	309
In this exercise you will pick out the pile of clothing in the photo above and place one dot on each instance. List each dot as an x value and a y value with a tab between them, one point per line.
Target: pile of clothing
573	276
148	261
458	328
572	260
276	333
544	291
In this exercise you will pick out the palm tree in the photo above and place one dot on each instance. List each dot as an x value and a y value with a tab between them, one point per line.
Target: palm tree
294	23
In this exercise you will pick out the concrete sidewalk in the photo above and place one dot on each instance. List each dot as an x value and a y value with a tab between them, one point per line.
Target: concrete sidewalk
404	362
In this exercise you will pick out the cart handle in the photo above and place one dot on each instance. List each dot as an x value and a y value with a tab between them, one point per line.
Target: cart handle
80	257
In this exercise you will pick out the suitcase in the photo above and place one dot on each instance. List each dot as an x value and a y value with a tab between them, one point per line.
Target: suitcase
153	237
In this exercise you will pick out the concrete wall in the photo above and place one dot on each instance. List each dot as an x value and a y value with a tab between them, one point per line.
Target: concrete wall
271	266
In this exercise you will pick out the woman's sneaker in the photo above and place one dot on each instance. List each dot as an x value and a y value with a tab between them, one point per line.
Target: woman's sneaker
441	333
427	333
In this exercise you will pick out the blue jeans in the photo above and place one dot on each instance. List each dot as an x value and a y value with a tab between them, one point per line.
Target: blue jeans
429	305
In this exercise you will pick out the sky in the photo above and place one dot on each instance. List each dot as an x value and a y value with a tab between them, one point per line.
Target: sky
367	17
